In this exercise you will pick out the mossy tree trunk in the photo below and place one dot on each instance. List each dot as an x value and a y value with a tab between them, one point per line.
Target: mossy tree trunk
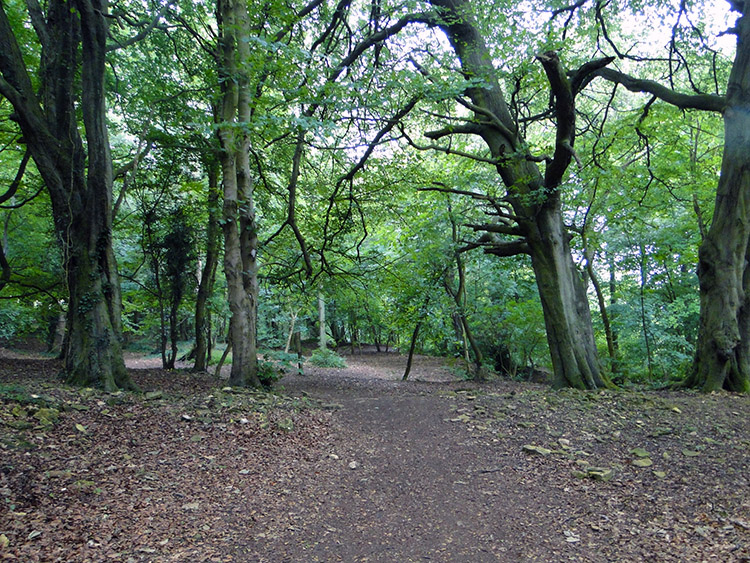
722	359
77	175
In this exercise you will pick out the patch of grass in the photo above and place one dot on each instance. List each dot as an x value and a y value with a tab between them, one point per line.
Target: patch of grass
327	359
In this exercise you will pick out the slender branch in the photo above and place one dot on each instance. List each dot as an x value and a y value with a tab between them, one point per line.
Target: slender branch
38	22
497	228
446	150
468	129
143	33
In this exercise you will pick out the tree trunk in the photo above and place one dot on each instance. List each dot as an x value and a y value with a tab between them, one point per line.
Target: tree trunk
412	348
567	317
722	359
208	274
603	312
321	320
78	177
240	234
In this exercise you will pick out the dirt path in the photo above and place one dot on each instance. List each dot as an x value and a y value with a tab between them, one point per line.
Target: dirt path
417	493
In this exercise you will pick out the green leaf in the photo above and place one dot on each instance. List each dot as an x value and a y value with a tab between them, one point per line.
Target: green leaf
642	462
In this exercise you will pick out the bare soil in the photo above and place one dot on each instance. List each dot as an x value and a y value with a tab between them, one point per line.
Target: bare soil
355	465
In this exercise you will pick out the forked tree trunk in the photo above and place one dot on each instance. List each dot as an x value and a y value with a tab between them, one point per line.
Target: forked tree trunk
567	315
534	196
240	234
78	178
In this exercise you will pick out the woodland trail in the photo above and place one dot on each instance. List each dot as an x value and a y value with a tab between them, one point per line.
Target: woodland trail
423	489
441	475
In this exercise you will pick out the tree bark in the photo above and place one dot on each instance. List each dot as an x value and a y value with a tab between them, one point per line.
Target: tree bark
240	232
78	177
208	274
722	358
534	197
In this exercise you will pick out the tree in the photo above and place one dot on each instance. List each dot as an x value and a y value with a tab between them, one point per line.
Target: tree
722	357
238	220
535	203
72	38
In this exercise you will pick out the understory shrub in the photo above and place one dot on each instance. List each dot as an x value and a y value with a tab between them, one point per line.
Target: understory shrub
327	359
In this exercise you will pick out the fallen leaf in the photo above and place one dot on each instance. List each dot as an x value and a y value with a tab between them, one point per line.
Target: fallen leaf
536	450
642	462
600	473
690	453
81	428
640	452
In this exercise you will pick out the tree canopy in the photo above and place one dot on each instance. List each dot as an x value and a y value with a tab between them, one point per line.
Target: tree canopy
534	187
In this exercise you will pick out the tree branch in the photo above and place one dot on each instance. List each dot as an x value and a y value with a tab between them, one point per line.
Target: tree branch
566	118
37	21
13	188
497	228
707	102
143	33
468	129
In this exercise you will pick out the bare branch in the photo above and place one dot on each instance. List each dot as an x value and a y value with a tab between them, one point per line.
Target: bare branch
468	129
447	150
13	188
498	228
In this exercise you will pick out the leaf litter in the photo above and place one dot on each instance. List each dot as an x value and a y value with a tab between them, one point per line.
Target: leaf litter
268	479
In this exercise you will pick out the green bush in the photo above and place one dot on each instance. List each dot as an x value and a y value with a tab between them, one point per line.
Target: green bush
327	359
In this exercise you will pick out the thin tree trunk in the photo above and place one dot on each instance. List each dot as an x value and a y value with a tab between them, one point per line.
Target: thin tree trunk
208	274
321	321
291	331
644	319
217	372
412	347
602	303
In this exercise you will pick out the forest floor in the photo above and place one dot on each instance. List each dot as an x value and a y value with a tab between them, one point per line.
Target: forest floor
354	465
